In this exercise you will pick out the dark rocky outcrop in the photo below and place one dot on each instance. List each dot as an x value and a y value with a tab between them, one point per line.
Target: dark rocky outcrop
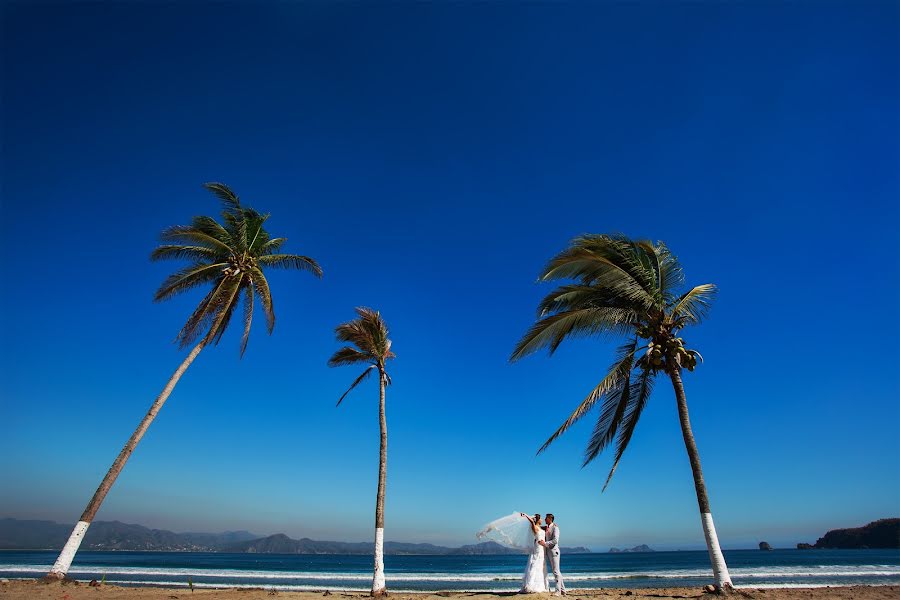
884	533
804	546
764	546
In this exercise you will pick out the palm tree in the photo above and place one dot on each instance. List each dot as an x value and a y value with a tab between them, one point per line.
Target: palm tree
627	288
230	258
368	336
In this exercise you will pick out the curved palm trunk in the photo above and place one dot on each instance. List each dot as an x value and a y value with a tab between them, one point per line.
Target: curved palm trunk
378	585
62	564
720	569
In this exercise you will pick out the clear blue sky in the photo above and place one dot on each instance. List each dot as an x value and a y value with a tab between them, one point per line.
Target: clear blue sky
432	156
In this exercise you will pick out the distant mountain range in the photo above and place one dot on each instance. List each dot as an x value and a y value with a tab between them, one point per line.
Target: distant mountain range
641	548
18	534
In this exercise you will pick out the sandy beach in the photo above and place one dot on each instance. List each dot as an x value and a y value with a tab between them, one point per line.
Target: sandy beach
33	590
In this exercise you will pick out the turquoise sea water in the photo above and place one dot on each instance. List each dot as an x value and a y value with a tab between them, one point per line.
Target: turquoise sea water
749	568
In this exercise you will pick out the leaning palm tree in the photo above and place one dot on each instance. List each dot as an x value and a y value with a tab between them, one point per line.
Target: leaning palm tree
628	288
229	257
368	336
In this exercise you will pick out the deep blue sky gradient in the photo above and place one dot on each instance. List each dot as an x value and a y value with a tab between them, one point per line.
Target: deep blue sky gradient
432	157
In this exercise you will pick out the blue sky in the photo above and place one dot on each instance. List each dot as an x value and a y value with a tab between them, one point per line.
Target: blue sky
432	157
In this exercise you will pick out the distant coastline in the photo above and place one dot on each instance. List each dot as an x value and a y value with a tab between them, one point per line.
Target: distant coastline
16	534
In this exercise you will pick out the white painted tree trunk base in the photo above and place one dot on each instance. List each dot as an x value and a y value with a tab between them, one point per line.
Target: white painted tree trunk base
378	584
62	564
720	569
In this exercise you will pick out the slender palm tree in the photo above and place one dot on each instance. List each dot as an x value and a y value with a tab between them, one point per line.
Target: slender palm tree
369	345
627	288
229	258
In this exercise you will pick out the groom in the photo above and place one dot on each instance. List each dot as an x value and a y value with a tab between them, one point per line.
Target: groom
552	550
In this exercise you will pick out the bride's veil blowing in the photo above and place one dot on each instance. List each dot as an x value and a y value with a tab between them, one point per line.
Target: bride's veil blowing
513	531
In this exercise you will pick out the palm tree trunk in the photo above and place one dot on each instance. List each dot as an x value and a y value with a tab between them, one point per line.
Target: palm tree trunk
378	585
720	569
62	564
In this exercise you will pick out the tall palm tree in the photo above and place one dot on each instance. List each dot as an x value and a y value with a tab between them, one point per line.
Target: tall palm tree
229	258
628	288
369	345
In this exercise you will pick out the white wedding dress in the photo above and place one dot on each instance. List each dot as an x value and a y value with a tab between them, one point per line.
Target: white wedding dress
534	580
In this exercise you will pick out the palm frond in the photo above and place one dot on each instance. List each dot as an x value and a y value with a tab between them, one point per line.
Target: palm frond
694	304
639	394
202	317
652	262
609	420
193	235
230	200
177	251
359	380
212	228
597	269
291	261
226	307
644	266
671	273
261	287
270	246
257	236
579	296
348	356
248	314
355	332
236	225
188	278
616	374
550	332
368	332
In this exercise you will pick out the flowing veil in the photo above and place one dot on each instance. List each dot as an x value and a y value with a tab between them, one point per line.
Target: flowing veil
513	531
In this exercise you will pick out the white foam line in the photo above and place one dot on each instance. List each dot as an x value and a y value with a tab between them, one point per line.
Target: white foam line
226	574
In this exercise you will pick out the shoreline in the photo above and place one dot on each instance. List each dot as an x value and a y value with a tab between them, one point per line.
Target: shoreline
30	589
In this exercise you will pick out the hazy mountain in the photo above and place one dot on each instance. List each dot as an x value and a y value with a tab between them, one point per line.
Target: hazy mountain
113	535
641	548
282	544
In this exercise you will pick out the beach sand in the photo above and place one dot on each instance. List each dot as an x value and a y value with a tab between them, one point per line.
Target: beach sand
33	590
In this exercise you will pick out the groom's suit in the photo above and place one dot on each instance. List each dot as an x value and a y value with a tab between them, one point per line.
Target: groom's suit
551	543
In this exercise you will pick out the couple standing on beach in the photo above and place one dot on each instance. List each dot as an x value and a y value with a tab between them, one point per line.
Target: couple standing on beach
546	545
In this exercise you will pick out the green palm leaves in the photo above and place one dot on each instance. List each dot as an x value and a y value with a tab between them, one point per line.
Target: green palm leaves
618	287
369	344
230	258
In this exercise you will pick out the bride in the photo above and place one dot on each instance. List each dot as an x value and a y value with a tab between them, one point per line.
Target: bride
535	578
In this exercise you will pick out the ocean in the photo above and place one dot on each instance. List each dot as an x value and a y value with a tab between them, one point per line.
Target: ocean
749	568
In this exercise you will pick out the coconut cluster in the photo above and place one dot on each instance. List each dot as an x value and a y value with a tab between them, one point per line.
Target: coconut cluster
665	350
236	265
